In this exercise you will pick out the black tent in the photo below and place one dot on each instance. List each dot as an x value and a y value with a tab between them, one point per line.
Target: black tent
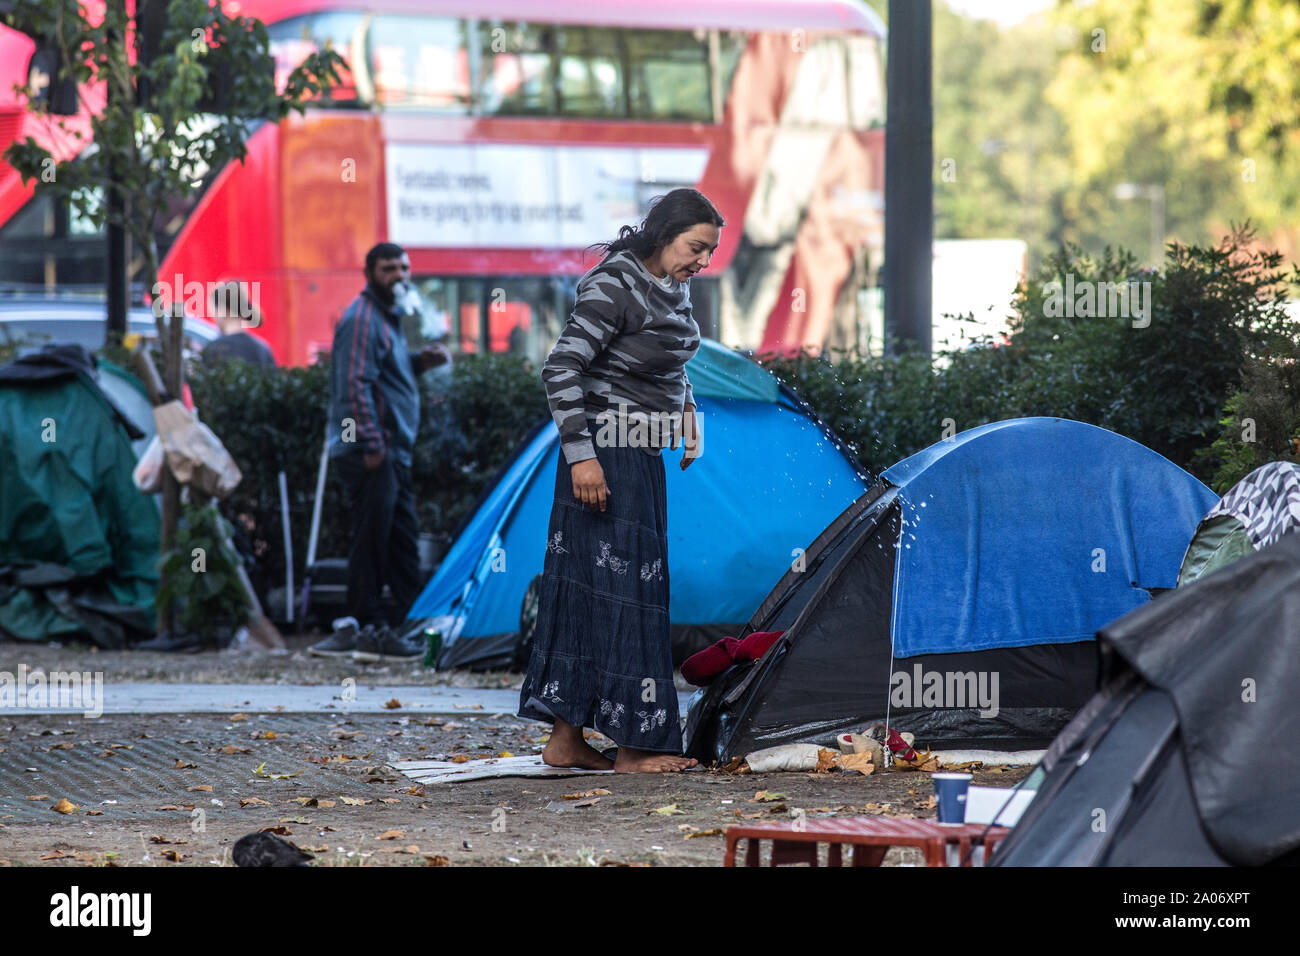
1186	756
960	596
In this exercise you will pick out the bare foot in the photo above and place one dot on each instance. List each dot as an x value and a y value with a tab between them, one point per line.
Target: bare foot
566	748
644	761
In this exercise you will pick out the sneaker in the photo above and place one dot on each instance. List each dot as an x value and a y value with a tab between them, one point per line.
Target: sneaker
384	644
168	643
339	644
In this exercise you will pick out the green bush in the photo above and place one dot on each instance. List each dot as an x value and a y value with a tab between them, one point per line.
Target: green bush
1261	422
1214	311
273	419
203	588
1210	352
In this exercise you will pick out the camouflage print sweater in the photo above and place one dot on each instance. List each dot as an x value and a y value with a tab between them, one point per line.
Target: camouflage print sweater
621	359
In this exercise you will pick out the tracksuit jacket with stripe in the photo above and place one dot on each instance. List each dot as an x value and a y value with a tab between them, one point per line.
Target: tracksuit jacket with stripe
373	383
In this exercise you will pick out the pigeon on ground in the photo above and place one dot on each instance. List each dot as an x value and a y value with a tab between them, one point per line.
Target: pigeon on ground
267	849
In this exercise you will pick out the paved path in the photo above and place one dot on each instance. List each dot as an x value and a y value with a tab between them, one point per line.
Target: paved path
273	698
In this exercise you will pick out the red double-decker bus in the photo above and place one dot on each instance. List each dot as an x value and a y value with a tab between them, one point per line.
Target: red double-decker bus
496	139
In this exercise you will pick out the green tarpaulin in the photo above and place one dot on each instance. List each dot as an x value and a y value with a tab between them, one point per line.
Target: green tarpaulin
67	499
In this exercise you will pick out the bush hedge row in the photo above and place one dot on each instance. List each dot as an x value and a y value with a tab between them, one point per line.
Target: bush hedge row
1217	347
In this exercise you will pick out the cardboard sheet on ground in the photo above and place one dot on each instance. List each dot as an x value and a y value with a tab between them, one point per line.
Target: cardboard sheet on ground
983	803
444	771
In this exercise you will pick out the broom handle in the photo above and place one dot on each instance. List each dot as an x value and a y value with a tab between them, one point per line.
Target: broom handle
316	506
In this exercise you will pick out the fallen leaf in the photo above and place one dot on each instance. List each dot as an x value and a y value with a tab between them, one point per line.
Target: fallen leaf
825	760
767	796
160	839
389	800
416	791
460	758
279	829
438	861
172	855
170	806
39	796
347	734
254	802
858	762
65	806
600	792
260	770
749	816
392	834
667	811
393	704
94	813
237	717
411	849
202	788
56	855
354	801
265	735
232	749
715	831
927	804
182	765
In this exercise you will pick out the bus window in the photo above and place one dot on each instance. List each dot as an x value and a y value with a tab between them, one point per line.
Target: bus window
293	39
591	72
420	62
517	73
668	75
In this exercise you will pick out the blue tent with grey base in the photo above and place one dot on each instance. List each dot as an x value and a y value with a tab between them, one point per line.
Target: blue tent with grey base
737	518
958	597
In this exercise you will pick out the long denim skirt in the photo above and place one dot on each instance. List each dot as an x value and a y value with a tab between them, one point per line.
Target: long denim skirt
602	655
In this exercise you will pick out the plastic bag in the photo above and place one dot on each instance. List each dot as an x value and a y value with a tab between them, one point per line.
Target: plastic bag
148	471
194	454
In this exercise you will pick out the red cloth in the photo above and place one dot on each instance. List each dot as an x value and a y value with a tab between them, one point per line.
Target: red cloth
701	668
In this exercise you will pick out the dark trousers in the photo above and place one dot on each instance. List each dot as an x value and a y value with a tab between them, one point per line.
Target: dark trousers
385	536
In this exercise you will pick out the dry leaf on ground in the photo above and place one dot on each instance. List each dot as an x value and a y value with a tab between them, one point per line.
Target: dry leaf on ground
859	762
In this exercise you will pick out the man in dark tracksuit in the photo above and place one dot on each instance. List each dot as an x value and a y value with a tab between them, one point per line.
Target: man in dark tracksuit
374	414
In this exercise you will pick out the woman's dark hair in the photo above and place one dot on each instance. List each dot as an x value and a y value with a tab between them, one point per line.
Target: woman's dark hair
669	216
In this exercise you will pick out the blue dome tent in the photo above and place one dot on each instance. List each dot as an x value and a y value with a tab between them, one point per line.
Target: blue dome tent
958	598
736	518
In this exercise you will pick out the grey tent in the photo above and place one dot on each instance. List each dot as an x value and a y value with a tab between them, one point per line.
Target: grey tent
1185	756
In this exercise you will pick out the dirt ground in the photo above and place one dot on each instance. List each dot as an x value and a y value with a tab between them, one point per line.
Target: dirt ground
179	790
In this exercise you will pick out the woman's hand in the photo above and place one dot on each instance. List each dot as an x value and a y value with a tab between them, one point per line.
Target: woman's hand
692	447
589	483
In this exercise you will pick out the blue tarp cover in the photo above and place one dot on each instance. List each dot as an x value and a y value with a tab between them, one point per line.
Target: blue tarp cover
1031	531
